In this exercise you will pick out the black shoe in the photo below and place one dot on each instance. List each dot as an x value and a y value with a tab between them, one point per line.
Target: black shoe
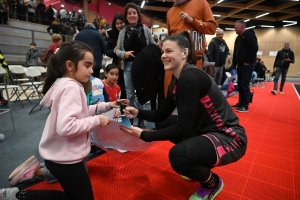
236	105
242	109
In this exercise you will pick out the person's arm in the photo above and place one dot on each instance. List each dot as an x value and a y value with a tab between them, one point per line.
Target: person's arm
206	23
35	54
211	49
252	46
276	59
120	51
292	57
28	55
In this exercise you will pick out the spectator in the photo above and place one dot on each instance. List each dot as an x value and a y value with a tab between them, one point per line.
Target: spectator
263	70
56	41
12	4
32	56
90	36
31	10
67	32
22	10
219	51
110	82
245	49
118	24
281	66
132	39
102	22
81	20
63	15
73	16
50	14
258	67
56	27
75	30
203	22
3	14
55	15
40	12
155	38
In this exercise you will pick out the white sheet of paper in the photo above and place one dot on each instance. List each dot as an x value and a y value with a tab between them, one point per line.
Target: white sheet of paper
111	136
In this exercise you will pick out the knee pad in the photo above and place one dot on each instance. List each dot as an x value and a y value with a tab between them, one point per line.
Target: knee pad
178	160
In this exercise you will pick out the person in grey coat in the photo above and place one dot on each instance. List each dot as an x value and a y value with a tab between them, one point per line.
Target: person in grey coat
32	56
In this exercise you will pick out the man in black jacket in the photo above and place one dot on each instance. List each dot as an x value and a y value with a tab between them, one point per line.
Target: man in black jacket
281	66
244	56
91	36
218	53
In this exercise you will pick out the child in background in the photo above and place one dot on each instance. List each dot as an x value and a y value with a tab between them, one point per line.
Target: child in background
110	82
32	56
66	139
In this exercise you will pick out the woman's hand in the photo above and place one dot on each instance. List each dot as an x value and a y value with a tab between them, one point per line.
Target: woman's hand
134	131
129	54
130	112
104	121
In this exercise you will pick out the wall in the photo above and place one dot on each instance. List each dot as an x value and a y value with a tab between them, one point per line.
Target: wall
271	39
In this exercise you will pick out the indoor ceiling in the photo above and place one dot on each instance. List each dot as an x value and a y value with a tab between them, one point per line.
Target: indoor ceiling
229	11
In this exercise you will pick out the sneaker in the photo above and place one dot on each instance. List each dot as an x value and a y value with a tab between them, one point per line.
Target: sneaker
26	172
242	109
236	105
281	92
13	174
186	178
204	193
8	193
273	92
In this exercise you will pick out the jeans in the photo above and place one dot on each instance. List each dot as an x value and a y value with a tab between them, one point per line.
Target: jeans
244	73
130	90
283	72
218	73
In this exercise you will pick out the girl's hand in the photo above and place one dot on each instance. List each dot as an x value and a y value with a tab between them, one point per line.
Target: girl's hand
114	104
104	121
129	54
134	131
130	112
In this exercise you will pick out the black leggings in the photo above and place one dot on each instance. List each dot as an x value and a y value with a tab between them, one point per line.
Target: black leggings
73	178
193	157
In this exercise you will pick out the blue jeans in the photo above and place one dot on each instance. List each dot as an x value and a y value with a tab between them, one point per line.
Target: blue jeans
283	72
130	90
244	73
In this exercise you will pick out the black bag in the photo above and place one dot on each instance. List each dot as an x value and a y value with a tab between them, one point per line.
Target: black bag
45	55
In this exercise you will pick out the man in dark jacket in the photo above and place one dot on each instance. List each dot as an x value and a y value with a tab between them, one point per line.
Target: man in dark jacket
218	53
94	39
244	56
281	66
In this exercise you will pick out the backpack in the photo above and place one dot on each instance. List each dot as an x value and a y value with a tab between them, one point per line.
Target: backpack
45	55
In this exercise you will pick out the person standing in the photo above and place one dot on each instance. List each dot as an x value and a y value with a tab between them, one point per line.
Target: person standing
281	66
244	56
80	20
132	39
195	16
219	51
32	56
90	36
3	14
40	12
31	10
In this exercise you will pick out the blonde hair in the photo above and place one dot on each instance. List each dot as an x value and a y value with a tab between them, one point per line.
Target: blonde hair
56	38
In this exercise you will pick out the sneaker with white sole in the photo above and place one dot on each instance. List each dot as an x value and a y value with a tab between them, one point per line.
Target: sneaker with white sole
281	92
8	193
274	92
13	174
26	172
242	109
204	193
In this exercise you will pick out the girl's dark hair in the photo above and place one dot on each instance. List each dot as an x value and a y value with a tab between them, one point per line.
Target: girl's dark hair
56	66
134	6
110	67
113	25
184	40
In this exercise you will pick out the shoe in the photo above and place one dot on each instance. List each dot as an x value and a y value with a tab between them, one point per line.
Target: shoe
281	92
273	92
204	193
242	109
26	172
13	174
8	193
186	178
4	102
236	105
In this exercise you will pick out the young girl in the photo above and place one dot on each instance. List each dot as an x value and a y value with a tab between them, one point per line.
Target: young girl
66	139
111	77
206	132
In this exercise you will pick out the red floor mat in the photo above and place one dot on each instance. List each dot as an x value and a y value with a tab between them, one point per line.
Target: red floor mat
269	170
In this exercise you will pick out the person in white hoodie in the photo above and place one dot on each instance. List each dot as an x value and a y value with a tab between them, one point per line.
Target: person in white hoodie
66	139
